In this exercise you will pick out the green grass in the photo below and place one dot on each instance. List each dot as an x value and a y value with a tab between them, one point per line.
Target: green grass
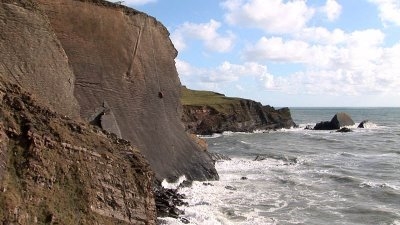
200	98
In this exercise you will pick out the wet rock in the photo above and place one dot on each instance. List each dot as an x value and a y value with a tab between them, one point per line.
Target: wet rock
338	121
230	188
344	130
324	125
167	201
184	220
309	127
363	124
260	158
243	178
219	157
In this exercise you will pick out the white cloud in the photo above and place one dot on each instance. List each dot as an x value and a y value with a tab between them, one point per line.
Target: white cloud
389	10
273	16
225	73
276	49
133	2
332	9
321	35
205	32
357	49
360	67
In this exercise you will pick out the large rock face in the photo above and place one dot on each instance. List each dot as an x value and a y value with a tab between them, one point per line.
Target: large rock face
121	63
32	56
57	171
208	112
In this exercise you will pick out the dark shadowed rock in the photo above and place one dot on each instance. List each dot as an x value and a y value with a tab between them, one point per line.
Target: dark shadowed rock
338	121
219	157
344	130
324	125
309	127
167	201
363	124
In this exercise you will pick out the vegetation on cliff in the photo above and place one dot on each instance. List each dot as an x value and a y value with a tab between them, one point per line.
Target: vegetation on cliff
206	112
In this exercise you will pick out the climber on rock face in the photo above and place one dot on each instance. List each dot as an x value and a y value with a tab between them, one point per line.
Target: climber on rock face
160	94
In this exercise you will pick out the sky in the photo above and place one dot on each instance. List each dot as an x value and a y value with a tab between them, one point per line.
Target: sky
295	53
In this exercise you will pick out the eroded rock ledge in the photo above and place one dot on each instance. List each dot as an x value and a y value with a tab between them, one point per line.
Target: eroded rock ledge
54	170
206	112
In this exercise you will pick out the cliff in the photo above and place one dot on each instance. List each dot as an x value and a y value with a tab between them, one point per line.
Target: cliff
123	60
208	112
32	56
57	171
108	64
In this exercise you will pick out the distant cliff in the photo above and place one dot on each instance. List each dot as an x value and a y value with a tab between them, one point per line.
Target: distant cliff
208	112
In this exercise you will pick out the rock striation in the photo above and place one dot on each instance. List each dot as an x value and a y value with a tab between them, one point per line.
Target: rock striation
109	65
54	170
32	56
125	58
206	112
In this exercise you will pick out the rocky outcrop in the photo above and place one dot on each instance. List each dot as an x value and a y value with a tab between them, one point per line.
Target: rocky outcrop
208	112
364	124
338	121
108	64
125	58
54	170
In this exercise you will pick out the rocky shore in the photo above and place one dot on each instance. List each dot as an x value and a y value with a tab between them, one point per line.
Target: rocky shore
206	112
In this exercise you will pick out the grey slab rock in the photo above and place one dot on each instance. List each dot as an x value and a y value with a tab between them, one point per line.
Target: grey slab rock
125	57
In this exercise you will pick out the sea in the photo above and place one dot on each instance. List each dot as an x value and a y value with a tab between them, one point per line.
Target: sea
298	176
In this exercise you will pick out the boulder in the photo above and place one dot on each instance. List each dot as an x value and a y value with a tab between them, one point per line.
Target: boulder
363	124
344	130
341	119
324	125
338	121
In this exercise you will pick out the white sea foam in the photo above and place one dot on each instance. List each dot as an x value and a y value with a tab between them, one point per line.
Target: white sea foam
306	177
371	184
215	135
173	185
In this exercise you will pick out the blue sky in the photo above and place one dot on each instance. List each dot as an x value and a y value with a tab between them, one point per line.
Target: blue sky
287	52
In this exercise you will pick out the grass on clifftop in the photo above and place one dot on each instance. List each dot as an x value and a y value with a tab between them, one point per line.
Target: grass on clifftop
200	98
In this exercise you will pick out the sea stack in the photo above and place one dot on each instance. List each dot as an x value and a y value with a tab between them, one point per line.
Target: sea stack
338	121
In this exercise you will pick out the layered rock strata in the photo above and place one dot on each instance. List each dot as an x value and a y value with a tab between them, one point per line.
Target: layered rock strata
32	56
57	171
125	58
80	56
209	112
